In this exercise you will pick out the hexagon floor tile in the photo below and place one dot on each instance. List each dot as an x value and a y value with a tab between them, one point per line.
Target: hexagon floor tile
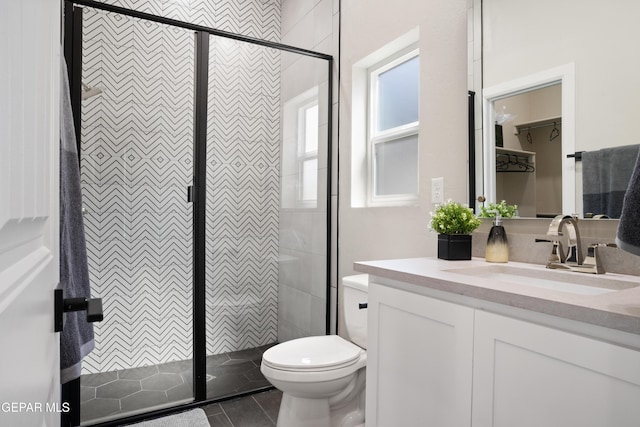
109	395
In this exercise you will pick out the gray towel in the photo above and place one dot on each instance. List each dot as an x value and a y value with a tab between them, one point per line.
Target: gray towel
76	339
628	234
605	176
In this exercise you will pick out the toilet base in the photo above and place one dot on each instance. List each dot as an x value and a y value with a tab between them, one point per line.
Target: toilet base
302	412
346	409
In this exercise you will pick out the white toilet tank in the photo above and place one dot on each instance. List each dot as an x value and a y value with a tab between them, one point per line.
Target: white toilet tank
355	292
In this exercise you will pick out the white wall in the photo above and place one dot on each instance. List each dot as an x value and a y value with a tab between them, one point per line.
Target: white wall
392	232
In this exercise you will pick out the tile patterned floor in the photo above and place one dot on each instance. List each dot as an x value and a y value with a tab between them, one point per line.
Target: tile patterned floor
113	394
257	410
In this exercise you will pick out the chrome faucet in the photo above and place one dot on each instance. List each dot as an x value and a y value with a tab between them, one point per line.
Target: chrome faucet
572	259
574	252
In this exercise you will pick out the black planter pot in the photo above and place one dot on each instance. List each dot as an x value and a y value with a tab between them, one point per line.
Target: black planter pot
454	247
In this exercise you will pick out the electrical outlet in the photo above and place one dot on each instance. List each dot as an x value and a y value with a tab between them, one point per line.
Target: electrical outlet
437	190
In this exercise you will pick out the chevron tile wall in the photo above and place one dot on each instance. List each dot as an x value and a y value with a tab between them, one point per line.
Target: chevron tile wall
243	195
137	161
255	18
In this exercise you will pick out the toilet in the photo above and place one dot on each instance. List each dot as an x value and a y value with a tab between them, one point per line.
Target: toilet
322	378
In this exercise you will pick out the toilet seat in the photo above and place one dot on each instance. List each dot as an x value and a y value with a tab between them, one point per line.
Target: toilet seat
312	354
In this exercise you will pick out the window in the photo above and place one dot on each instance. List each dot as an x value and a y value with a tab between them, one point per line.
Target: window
392	147
308	152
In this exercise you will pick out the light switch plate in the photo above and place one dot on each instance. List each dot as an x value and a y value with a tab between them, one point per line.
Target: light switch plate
437	190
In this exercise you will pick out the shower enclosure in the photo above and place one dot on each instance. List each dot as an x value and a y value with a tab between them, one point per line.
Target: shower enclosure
205	174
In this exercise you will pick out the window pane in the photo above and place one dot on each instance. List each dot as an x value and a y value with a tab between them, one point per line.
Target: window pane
310	179
311	129
398	95
396	167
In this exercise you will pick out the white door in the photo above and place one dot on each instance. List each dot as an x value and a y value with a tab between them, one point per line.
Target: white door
29	255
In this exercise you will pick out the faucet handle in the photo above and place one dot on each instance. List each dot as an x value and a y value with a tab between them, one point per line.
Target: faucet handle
592	249
593	260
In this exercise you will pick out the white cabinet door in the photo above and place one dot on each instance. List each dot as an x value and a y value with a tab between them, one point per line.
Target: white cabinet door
29	93
528	375
419	360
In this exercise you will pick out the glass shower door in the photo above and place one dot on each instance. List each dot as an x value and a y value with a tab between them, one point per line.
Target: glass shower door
266	207
261	276
136	163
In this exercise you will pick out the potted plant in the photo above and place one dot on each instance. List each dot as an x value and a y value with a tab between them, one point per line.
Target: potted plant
454	222
505	210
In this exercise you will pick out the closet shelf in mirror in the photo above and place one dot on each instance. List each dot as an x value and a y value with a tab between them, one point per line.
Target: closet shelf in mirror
510	160
534	124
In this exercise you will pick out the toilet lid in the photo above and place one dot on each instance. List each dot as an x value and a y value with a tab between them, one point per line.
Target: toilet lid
319	353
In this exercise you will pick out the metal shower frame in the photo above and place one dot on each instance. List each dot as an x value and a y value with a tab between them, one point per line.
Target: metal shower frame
73	55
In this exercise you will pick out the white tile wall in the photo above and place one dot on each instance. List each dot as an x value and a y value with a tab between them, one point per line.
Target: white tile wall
137	162
303	233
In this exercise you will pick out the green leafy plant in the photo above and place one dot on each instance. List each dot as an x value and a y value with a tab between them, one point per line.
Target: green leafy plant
505	210
453	218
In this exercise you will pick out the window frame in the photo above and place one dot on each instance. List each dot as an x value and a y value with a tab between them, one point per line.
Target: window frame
375	137
304	155
292	149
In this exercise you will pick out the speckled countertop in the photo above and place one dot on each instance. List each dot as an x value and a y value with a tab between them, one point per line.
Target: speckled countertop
618	309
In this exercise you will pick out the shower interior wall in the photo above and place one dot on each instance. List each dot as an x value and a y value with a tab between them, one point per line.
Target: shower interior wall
137	161
243	195
302	309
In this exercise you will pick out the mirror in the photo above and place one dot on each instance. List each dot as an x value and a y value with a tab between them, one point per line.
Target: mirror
528	151
580	47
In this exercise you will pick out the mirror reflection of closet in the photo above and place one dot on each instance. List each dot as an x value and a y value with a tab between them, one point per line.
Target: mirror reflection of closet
531	133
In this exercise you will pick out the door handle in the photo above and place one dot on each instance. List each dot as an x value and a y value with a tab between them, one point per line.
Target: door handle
190	194
93	307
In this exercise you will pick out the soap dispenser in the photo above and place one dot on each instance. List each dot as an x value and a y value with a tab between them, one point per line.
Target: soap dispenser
497	246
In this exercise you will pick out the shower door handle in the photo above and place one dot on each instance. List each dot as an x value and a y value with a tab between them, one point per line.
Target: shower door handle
93	307
190	194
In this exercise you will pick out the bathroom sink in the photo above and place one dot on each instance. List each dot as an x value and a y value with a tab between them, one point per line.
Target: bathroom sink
563	281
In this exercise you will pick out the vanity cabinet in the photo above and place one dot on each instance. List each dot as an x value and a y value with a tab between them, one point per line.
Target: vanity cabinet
528	375
419	360
438	363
